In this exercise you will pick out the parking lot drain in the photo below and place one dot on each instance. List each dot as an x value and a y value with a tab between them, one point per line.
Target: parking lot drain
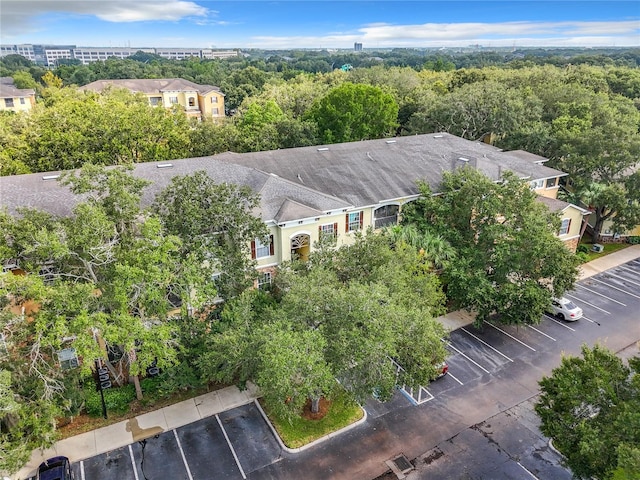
403	463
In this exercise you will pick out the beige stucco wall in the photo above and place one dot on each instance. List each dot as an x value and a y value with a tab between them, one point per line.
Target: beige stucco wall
207	106
28	104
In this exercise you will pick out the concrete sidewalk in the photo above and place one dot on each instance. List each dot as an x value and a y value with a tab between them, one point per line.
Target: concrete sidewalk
143	426
149	424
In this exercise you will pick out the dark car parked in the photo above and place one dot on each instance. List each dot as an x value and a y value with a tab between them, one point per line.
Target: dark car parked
56	468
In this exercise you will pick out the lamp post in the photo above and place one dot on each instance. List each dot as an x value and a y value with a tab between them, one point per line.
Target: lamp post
102	382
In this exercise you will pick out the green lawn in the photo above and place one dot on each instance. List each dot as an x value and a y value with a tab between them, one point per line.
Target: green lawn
608	248
342	412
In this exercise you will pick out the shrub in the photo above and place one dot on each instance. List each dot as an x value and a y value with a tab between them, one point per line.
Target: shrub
583	257
582	248
117	399
635	240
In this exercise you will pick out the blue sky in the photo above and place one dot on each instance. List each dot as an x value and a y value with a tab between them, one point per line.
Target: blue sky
320	24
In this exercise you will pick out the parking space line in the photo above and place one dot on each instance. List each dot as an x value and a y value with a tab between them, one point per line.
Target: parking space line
133	463
602	295
224	432
556	321
510	336
624	267
589	320
616	288
81	469
526	470
623	279
587	303
451	375
482	341
471	360
184	459
541	332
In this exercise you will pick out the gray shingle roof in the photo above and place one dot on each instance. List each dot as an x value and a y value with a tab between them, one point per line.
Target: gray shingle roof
34	191
150	86
306	182
10	91
368	172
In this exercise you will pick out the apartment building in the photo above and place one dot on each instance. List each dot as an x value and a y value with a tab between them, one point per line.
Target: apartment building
337	190
49	55
198	101
14	99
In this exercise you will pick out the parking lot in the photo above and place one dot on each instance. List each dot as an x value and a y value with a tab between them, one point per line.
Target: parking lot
230	445
475	352
238	444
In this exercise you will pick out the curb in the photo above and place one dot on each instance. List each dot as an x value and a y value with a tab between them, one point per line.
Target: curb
315	442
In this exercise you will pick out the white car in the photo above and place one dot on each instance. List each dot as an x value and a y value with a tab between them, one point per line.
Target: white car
565	309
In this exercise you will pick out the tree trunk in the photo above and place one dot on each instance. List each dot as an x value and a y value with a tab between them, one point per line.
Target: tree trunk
597	228
136	383
315	404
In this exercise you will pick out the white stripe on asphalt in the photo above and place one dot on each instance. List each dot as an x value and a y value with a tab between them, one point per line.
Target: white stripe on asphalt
541	332
616	288
556	321
523	467
628	269
587	303
133	463
480	340
602	295
184	459
224	432
510	336
81	469
589	320
451	375
624	279
471	360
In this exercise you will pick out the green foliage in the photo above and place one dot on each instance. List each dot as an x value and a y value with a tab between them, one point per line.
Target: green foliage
297	431
589	407
117	399
352	112
507	253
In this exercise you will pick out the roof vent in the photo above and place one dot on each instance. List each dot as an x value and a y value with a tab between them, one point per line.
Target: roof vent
164	165
438	136
369	156
323	149
300	178
463	159
50	177
390	141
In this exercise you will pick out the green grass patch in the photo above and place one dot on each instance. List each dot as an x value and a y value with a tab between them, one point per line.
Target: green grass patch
608	248
343	411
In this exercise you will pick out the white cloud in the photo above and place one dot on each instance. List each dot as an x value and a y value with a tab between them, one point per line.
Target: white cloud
623	33
20	16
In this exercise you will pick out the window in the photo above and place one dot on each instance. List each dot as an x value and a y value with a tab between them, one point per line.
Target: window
173	100
264	280
214	99
354	221
328	231
22	101
537	184
261	250
8	102
214	111
552	182
564	228
192	102
155	100
386	216
68	358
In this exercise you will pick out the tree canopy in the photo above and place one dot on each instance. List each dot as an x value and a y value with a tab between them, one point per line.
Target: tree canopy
508	260
590	407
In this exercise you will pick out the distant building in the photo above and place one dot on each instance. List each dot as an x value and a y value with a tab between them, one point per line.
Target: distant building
357	47
49	55
198	101
15	99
